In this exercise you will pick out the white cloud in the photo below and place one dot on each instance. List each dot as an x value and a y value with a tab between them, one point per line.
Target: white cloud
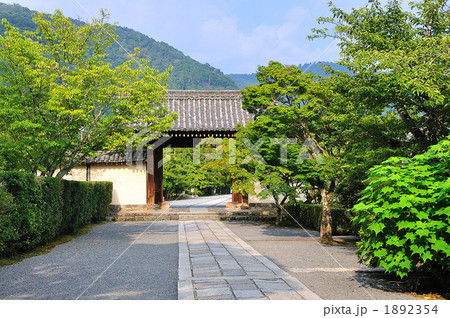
225	44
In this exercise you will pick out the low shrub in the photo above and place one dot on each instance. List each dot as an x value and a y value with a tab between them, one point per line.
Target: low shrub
310	216
103	197
404	213
7	232
34	210
24	218
50	207
68	206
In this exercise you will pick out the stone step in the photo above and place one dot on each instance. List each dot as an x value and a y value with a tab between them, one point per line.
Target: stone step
146	218
173	214
143	213
189	217
192	217
152	213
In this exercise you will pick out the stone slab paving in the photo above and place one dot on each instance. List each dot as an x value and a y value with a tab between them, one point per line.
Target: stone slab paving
215	264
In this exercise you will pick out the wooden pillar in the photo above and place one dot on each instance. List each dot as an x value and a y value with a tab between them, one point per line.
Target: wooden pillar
155	176
88	172
239	198
245	198
159	195
150	178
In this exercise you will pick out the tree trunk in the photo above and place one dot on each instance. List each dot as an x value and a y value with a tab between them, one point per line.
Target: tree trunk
278	216
326	232
63	172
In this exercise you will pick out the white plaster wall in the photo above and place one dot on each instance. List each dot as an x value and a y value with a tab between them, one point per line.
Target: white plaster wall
76	174
129	182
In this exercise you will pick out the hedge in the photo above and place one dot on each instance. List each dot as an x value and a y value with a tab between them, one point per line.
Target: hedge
35	210
310	216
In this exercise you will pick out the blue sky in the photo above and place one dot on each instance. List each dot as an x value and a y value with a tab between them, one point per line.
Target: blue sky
235	35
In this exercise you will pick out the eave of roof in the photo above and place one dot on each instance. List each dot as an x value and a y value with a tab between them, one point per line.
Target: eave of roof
207	110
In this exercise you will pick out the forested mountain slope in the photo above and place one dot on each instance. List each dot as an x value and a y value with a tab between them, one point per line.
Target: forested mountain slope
187	73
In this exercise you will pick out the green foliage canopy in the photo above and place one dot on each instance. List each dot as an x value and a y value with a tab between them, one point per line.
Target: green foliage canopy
401	60
320	120
186	73
60	102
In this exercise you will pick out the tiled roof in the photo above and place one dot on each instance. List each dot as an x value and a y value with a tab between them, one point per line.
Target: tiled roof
207	110
200	114
105	158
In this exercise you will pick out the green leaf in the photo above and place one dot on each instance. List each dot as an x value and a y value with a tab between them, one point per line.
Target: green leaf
380	253
422	232
410	236
405	264
387	189
404	202
427	256
422	215
377	227
394	240
416	249
406	225
441	245
402	272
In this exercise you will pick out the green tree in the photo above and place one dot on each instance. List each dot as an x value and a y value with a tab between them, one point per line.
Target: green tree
187	73
323	123
404	213
60	102
204	168
401	60
179	171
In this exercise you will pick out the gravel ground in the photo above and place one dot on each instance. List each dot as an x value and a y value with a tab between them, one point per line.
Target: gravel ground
295	251
147	270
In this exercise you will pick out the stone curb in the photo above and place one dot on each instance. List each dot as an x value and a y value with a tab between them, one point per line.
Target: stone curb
185	288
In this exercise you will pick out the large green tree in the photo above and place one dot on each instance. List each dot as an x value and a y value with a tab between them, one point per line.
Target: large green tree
401	59
60	102
329	139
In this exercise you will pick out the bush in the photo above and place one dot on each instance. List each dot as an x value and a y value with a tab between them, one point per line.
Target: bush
36	210
404	213
68	206
7	232
78	208
103	197
50	207
24	217
310	216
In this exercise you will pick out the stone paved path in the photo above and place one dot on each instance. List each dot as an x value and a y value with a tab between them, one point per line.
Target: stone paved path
214	263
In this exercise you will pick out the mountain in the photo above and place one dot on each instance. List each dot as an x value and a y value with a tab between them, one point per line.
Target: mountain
187	73
243	80
317	68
